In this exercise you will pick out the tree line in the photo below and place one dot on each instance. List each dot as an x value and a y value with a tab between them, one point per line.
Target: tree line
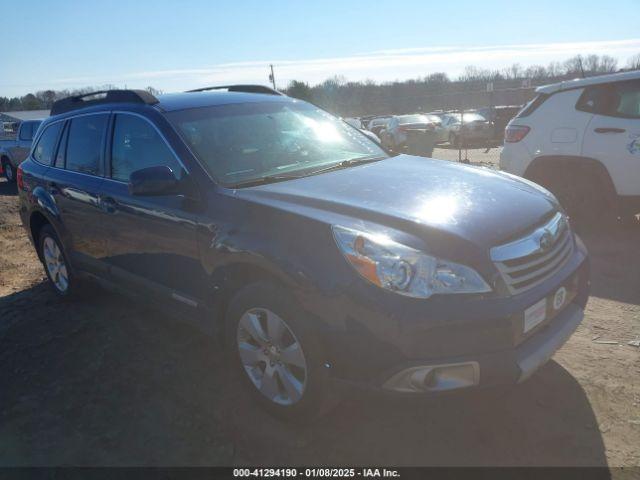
474	87
43	99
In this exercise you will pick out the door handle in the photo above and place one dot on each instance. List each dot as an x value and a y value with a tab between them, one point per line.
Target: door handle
609	130
108	204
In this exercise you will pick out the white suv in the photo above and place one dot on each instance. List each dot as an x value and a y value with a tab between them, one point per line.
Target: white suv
581	140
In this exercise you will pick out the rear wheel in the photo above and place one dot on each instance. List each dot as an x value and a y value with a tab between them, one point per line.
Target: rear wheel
9	171
56	264
276	353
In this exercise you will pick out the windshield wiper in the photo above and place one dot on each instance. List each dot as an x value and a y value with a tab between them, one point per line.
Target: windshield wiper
345	164
281	178
264	180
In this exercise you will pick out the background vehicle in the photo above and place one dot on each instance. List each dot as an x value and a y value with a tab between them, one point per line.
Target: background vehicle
499	116
414	133
377	124
8	129
14	151
468	129
357	123
581	140
315	255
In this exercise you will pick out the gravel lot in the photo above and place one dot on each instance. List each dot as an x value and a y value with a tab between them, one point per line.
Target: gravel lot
109	382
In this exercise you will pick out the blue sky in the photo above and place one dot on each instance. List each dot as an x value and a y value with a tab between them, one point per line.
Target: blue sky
175	45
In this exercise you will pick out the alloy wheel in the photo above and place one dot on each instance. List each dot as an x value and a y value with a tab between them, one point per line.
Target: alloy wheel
55	264
272	356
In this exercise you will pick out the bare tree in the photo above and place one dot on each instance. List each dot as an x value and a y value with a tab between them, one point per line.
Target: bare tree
514	72
574	65
634	62
607	64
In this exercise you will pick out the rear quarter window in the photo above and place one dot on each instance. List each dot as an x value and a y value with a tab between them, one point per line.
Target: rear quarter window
45	148
533	105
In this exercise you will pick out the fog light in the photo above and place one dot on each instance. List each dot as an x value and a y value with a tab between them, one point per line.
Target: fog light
435	378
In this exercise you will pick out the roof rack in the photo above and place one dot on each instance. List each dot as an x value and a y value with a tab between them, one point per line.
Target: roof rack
102	96
240	88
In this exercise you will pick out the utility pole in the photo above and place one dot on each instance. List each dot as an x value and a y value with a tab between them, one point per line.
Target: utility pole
272	78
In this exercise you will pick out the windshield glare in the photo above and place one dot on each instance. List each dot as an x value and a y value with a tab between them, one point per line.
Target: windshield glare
242	142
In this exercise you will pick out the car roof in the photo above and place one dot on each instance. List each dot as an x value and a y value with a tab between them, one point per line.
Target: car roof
180	101
163	103
583	82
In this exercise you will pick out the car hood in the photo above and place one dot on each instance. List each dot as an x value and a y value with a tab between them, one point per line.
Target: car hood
416	195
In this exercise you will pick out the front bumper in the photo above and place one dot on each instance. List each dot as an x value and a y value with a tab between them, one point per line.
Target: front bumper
501	368
458	345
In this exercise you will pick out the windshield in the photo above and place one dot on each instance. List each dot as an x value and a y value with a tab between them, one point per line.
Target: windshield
248	141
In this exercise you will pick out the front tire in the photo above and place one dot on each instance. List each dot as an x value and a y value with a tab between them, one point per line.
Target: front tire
274	350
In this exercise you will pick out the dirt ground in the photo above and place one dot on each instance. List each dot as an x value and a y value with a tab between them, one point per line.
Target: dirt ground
106	381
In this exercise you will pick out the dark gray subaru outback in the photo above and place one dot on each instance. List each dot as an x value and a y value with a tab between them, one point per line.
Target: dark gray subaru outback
316	255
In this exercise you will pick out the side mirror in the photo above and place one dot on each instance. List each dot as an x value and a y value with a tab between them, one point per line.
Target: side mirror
153	181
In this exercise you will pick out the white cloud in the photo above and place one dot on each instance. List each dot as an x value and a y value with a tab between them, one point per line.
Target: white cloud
382	65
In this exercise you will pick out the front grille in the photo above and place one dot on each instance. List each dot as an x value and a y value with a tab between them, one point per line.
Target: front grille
530	260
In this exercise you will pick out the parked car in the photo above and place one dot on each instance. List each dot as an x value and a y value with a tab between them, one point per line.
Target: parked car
416	134
13	151
499	116
317	257
377	124
468	129
442	134
581	140
356	123
8	129
366	119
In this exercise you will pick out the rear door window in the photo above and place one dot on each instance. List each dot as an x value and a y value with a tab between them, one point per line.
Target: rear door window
628	99
620	99
86	144
45	149
136	145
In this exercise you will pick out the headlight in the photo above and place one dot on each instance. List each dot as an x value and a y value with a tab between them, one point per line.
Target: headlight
402	269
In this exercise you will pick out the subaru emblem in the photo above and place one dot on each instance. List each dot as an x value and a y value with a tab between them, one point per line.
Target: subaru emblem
546	240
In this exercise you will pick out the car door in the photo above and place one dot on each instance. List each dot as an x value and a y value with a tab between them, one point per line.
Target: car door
153	245
613	134
74	182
